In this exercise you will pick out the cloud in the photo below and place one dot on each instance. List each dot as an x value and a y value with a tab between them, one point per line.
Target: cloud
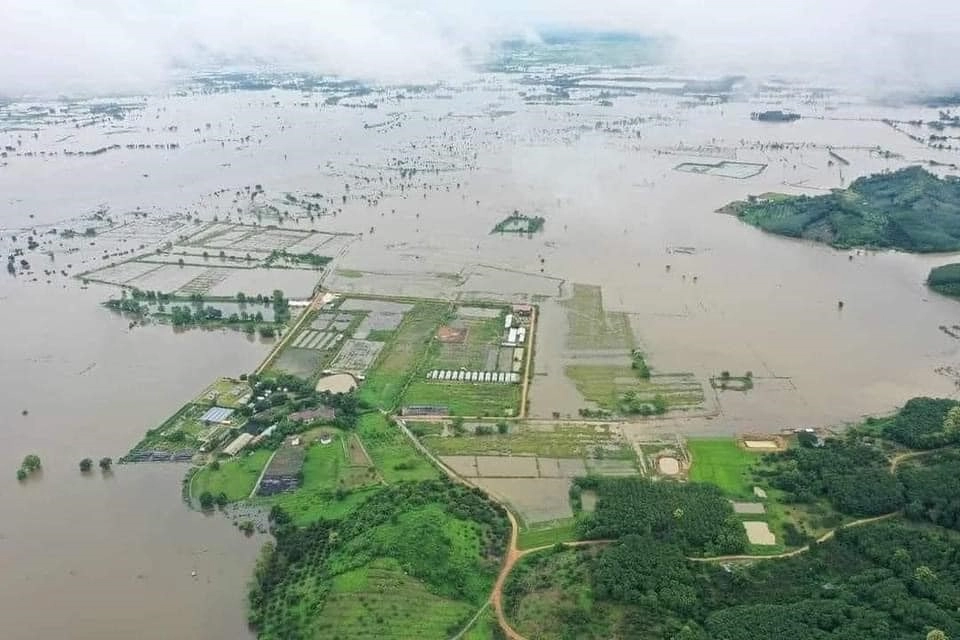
68	46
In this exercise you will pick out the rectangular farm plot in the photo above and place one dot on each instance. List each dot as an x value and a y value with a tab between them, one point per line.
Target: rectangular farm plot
465	466
560	441
591	326
465	399
507	467
723	168
562	467
722	462
606	385
356	356
536	499
299	362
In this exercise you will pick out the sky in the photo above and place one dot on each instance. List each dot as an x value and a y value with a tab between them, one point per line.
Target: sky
65	47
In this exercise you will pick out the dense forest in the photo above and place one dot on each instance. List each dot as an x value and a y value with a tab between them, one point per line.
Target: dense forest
910	209
695	517
440	538
945	279
885	580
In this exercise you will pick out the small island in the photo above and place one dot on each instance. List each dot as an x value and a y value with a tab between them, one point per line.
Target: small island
945	279
910	209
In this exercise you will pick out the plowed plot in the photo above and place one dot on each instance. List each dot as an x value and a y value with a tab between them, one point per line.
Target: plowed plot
536	499
507	466
561	467
463	465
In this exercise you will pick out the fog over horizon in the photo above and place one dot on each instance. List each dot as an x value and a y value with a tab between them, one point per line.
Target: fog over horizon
89	47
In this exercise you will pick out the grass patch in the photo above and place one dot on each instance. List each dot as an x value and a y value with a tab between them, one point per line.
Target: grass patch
551	441
721	462
606	386
403	356
235	477
465	398
547	533
392	452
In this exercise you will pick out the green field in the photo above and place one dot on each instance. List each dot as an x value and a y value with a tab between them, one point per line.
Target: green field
547	533
552	441
720	461
332	486
605	385
483	334
466	398
392	452
235	477
484	627
404	355
591	326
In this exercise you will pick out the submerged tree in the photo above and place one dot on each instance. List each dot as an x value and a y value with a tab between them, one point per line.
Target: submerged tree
85	465
106	463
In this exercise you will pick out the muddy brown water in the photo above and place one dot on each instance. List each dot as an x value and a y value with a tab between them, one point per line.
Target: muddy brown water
93	557
105	556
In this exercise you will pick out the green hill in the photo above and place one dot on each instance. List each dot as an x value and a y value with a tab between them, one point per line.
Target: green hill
910	209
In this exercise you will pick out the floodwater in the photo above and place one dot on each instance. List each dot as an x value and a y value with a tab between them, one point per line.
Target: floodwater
108	556
113	556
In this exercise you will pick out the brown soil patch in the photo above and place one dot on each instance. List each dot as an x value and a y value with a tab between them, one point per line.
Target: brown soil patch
668	466
452	335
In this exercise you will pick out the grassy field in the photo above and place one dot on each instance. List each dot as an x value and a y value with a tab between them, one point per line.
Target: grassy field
391	451
606	384
556	441
484	627
483	334
332	486
591	326
235	477
720	461
547	533
404	355
466	398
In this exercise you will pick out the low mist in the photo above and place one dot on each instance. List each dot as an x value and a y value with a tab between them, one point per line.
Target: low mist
67	47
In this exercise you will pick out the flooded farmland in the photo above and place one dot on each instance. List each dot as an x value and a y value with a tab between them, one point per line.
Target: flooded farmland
213	192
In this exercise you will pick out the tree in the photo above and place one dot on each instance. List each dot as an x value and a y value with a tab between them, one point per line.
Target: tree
21	474
502	427
31	463
106	463
85	465
937	634
215	465
221	499
206	501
